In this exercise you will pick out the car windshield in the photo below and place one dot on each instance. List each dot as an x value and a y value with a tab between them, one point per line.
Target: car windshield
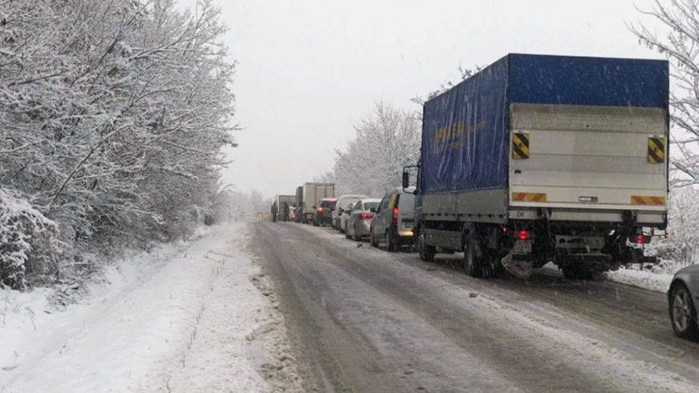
370	205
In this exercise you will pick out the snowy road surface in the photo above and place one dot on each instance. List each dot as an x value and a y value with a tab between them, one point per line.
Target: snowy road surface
198	317
365	320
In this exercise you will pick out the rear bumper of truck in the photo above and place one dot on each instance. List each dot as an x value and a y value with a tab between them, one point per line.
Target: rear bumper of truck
652	218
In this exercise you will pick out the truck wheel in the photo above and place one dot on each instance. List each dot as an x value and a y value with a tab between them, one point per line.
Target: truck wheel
471	263
576	272
682	312
426	252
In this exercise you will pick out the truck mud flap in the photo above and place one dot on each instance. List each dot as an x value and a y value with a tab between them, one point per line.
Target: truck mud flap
518	268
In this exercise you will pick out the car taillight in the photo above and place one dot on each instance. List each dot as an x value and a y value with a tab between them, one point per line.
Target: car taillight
365	216
394	220
522	234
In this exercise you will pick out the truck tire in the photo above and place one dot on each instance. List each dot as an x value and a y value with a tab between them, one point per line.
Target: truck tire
576	272
472	265
683	315
426	252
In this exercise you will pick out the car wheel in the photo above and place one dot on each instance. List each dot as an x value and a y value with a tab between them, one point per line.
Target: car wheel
356	235
682	312
347	234
372	239
390	246
426	252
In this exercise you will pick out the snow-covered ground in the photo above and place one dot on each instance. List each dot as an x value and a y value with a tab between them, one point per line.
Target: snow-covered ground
193	317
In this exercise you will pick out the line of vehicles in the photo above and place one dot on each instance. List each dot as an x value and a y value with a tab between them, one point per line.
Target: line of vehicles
534	159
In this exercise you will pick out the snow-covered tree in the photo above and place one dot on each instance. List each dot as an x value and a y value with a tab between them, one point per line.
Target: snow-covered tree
679	21
682	245
386	140
113	114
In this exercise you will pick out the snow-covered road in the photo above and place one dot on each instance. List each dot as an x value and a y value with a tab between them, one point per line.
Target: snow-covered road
368	320
197	317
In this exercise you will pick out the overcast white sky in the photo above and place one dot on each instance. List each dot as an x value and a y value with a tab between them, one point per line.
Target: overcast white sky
309	69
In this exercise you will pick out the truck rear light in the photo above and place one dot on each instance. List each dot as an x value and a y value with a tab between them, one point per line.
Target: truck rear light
522	234
365	216
394	220
639	239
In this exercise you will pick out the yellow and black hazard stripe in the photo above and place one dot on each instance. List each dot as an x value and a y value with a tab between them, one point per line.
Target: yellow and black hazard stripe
520	145
656	149
647	200
528	197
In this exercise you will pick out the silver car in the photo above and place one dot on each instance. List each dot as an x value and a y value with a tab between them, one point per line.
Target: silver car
359	221
343	203
683	311
394	218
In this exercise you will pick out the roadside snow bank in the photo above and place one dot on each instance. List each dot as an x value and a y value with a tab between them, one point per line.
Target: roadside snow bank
659	282
181	318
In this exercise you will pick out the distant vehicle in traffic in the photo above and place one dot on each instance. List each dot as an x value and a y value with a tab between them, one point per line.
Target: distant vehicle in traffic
394	219
292	213
322	213
344	217
683	311
311	194
343	203
358	225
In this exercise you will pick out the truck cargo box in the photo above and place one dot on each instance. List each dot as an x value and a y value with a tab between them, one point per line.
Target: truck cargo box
571	134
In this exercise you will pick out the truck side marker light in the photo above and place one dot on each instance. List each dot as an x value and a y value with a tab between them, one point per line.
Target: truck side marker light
647	200
528	197
656	149
520	145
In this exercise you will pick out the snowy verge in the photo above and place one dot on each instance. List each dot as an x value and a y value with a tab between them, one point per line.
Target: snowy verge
189	317
659	282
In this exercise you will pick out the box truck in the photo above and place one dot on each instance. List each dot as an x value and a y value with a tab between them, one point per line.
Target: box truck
540	159
312	193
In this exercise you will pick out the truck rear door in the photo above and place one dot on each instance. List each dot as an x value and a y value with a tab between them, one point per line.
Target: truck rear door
585	157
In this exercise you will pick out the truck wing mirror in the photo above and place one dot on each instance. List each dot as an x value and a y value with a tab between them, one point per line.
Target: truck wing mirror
406	179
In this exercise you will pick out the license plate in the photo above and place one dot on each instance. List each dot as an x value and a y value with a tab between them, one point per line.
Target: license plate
407	224
522	247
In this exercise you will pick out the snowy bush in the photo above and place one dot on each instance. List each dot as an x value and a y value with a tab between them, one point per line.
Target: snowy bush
28	242
113	114
682	245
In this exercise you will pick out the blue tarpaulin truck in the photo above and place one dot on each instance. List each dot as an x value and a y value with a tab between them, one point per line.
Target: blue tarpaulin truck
545	158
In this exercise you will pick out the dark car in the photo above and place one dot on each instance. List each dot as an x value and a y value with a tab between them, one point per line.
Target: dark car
683	310
322	213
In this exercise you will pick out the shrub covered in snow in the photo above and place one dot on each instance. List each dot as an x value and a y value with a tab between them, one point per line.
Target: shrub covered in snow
28	241
113	115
